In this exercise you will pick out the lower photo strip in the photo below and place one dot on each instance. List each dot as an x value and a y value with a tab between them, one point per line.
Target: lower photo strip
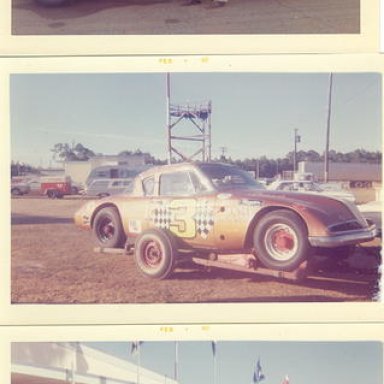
204	354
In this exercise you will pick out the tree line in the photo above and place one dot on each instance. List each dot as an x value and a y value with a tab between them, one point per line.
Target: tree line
262	166
268	168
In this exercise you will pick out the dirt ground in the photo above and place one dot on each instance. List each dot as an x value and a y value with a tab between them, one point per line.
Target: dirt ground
53	262
168	17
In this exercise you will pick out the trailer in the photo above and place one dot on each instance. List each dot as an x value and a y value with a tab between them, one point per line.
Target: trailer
249	264
234	262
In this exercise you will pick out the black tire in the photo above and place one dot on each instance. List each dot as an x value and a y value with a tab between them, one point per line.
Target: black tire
16	192
281	240
155	254
52	194
107	228
74	191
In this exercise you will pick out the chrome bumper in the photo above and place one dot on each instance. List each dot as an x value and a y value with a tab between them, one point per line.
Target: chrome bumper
344	238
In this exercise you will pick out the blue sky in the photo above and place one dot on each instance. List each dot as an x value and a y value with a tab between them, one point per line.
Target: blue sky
254	114
303	362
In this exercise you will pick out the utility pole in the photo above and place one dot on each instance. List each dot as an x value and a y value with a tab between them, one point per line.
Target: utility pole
223	152
326	154
296	140
257	168
168	103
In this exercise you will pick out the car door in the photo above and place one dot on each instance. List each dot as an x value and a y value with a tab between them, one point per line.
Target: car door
184	208
136	208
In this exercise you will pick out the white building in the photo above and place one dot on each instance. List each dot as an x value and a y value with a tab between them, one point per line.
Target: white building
343	172
79	170
74	363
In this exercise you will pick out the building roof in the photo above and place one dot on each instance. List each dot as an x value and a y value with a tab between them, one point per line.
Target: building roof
58	363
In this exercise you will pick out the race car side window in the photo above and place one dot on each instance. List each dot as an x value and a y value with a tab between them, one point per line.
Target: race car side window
198	186
149	186
176	184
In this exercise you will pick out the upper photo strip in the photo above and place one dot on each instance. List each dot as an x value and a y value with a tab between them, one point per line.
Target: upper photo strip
89	27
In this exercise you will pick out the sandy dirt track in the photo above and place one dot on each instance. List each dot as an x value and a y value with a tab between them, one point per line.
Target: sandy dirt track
168	17
53	262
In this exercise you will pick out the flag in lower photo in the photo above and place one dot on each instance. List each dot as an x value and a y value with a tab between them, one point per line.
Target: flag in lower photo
258	374
135	347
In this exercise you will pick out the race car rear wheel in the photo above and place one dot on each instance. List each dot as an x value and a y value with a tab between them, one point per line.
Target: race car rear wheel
107	228
155	254
281	240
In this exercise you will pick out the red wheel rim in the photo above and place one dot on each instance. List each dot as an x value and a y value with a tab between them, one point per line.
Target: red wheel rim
152	253
281	242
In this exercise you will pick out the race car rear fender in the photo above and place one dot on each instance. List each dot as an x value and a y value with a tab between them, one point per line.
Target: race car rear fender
102	206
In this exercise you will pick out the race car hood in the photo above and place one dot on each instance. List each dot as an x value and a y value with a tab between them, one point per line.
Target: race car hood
332	210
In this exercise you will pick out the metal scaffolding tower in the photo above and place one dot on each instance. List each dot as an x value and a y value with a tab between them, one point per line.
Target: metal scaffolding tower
198	117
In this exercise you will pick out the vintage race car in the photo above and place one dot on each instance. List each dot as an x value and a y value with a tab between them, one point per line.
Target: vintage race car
212	208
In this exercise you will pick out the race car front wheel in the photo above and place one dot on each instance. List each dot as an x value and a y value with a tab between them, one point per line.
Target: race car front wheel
281	240
155	254
107	228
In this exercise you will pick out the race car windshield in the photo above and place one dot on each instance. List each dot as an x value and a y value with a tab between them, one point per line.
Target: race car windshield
226	177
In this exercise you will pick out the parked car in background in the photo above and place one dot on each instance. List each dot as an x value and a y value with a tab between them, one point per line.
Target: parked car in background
77	188
110	172
19	188
308	186
107	187
34	186
209	209
51	186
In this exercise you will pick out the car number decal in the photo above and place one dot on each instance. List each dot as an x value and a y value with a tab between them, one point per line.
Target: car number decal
185	218
182	223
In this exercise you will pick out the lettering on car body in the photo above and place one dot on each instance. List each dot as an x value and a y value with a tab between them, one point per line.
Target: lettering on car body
134	226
